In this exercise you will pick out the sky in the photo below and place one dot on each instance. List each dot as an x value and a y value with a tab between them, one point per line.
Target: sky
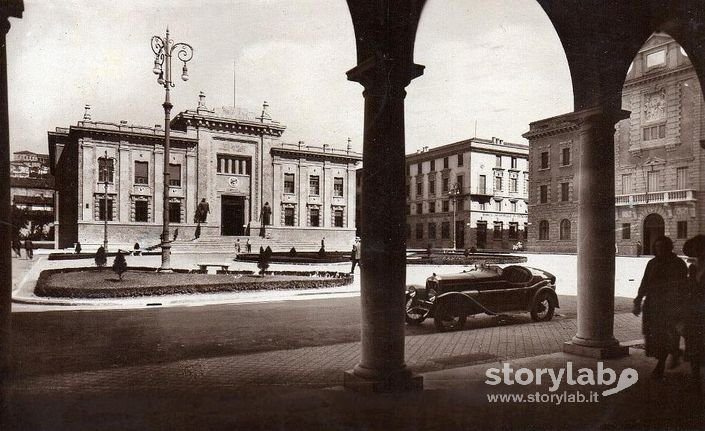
491	67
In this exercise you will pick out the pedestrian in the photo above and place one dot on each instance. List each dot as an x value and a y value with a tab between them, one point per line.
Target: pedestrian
197	234
248	245
176	233
694	307
29	248
136	249
664	278
355	255
77	250
17	247
638	248
237	246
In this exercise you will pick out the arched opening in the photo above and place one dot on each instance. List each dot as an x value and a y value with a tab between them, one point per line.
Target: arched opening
565	229
653	228
543	230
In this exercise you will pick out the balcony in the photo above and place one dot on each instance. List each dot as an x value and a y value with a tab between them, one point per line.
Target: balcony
663	197
481	191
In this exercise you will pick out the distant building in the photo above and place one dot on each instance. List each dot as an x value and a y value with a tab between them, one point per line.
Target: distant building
26	164
475	191
659	159
234	160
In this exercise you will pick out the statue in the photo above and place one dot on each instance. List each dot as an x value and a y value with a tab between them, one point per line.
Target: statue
202	211
265	218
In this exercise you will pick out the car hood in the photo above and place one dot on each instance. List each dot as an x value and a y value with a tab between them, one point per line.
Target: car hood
479	275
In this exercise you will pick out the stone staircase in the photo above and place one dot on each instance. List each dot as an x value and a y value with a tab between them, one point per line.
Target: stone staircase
226	244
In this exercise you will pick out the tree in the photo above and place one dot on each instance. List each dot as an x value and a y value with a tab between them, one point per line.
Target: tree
119	264
263	261
100	258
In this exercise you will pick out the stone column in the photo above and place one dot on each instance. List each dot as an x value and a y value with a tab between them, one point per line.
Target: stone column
596	230
9	8
383	270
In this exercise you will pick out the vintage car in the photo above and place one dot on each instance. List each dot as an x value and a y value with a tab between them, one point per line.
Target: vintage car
489	289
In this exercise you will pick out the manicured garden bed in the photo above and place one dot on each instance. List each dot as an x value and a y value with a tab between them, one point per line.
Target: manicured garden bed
93	283
299	257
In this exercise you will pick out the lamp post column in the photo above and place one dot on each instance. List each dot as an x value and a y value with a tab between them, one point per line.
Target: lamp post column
166	244
105	203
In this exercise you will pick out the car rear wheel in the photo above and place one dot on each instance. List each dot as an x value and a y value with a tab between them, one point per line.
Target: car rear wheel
414	313
543	308
446	320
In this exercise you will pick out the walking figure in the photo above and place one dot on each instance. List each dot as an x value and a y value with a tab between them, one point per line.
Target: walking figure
17	247
29	248
248	245
694	308
355	255
237	246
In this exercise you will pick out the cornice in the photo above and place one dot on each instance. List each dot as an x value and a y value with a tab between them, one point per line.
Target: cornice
291	153
189	118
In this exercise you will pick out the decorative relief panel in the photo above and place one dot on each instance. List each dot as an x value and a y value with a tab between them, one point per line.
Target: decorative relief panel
655	106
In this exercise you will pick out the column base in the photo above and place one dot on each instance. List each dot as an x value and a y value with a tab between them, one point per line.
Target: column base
400	381
598	352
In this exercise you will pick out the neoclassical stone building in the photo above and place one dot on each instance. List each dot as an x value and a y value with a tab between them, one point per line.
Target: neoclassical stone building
234	160
474	191
658	159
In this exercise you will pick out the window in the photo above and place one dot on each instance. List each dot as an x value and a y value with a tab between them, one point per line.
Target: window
314	216
174	212
656	58
460	159
513	230
653	181
314	185
288	216
544	160
565	229
445	206
102	209
174	175
565	156
419	169
228	164
432	231
459	181
626	184
338	187
498	161
433	165
565	192
460	202
419	230
681	178
514	162
514	207
106	169
445	185
543	230
498	205
482	187
513	185
626	231
445	163
497	234
141	211
654	132
544	194
419	189
419	208
289	183
141	172
431	187
445	230
682	229
338	218
432	207
497	184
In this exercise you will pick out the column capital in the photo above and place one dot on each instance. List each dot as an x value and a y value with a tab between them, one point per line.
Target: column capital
600	115
10	9
381	73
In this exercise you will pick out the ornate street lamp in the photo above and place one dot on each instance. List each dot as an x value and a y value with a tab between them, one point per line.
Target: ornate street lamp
454	193
163	49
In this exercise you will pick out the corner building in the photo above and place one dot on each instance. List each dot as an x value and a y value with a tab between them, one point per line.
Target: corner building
234	160
475	191
658	159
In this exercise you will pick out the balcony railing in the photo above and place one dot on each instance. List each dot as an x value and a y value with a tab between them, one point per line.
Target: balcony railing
663	197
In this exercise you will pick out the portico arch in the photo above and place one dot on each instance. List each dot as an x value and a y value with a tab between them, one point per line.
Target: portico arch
653	228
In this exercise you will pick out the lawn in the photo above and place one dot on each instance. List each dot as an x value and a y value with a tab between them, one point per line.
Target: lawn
90	283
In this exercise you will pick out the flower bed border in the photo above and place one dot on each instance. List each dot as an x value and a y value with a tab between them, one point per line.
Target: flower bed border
332	279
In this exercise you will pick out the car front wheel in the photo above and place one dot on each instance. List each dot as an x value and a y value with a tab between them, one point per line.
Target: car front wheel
414	313
543	308
446	320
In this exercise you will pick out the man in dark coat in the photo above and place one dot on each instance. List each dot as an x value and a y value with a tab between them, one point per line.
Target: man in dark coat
664	279
694	309
29	248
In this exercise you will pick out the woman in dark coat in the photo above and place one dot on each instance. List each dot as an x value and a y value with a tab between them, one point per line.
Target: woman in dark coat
664	278
694	310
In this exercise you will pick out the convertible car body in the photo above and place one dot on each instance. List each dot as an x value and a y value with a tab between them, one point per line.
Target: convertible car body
449	299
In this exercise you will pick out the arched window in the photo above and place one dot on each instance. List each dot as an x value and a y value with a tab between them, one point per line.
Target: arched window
543	230
565	229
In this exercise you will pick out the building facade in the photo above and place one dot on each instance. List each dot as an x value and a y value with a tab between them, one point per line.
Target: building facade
234	160
469	194
658	159
27	164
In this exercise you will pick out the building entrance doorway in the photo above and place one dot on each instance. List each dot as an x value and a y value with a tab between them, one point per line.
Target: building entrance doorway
232	215
459	234
481	234
653	228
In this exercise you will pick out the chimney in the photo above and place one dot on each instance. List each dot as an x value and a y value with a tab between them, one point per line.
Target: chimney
87	113
349	146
